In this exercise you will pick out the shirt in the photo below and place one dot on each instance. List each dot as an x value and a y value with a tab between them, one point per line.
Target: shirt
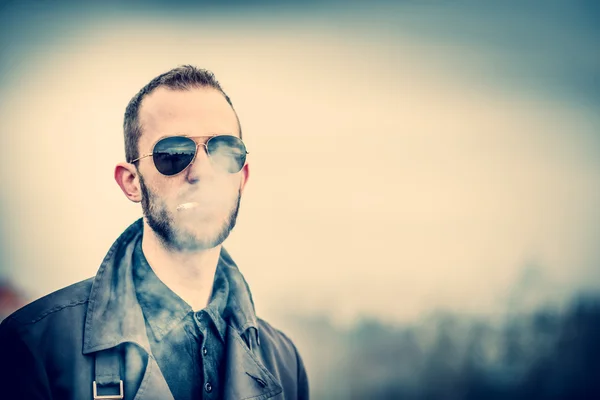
188	346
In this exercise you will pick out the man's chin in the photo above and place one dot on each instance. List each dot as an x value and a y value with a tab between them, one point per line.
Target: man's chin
195	241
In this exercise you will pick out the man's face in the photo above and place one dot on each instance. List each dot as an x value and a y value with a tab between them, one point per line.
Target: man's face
216	193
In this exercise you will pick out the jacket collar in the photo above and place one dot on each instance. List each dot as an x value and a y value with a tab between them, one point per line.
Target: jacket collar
114	315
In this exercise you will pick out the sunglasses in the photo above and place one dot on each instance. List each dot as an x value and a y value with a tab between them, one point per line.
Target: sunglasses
174	154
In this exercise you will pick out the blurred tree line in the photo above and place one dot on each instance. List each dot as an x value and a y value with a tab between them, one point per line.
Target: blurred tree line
544	354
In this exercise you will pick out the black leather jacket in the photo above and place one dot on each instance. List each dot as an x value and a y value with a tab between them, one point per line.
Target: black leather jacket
92	333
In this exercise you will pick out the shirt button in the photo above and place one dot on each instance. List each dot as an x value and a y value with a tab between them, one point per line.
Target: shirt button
204	351
208	387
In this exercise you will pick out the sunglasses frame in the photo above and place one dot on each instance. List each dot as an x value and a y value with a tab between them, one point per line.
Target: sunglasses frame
205	144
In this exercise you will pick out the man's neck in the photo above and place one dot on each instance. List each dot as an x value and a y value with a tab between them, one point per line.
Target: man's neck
190	275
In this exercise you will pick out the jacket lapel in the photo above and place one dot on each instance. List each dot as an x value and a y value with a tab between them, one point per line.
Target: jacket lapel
245	376
153	386
114	315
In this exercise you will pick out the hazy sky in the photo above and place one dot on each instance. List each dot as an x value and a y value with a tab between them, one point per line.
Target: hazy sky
403	157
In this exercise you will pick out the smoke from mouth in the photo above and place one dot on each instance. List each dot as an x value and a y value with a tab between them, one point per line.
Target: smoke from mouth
187	206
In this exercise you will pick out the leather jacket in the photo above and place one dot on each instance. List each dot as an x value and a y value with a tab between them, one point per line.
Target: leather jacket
91	337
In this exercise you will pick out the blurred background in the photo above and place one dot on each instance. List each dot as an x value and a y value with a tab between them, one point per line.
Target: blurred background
422	216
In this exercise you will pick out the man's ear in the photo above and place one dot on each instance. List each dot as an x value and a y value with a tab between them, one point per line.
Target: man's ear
245	174
126	176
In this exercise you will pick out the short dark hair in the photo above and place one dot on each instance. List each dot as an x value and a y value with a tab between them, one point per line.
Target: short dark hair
181	78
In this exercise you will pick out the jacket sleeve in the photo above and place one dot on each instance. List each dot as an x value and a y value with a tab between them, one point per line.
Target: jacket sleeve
22	375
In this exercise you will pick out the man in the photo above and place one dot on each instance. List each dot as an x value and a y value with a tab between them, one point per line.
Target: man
168	315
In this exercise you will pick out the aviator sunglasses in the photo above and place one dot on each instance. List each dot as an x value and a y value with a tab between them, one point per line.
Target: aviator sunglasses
174	154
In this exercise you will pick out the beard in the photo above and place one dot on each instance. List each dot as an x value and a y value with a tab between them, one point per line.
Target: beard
162	222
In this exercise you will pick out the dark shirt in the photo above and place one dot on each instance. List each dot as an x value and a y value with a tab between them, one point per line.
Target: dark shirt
188	346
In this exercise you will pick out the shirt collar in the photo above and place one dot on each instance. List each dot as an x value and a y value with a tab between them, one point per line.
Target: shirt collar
217	305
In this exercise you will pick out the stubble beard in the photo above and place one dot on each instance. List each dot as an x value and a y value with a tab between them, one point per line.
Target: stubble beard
161	221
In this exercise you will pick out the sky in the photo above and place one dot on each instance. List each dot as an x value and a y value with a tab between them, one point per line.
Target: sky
405	157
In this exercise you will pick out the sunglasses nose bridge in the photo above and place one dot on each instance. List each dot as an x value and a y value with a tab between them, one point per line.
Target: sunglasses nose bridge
203	145
195	159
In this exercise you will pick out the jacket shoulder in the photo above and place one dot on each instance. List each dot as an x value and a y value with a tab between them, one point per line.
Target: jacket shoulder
268	333
279	350
73	295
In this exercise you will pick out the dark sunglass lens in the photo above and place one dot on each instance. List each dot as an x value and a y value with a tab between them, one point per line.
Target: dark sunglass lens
173	154
227	152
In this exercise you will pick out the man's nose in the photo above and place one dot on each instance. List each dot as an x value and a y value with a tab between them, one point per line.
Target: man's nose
201	166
